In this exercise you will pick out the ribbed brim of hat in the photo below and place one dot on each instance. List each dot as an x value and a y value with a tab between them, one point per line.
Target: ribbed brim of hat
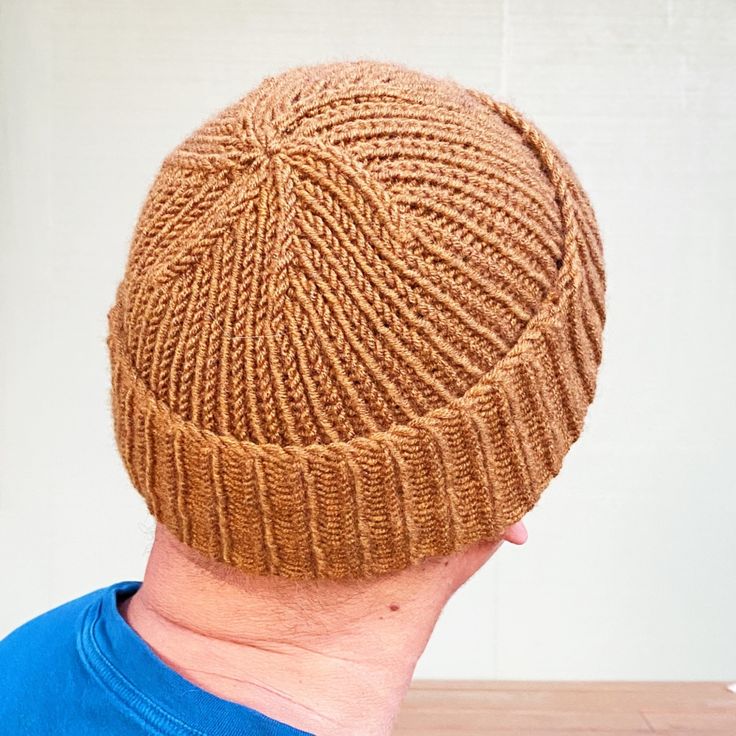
457	475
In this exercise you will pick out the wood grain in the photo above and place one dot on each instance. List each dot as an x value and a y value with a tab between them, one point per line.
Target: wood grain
470	707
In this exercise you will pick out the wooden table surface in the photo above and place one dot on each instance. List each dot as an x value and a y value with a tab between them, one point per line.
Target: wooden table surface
470	708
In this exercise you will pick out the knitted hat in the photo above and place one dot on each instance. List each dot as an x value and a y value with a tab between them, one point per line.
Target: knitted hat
360	324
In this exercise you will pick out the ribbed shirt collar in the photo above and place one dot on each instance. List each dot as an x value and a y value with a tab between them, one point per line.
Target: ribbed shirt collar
123	663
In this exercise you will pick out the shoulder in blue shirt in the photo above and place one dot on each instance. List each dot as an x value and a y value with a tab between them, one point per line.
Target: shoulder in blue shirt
80	669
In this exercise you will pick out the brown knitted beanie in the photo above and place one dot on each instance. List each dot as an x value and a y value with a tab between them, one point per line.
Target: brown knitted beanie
360	324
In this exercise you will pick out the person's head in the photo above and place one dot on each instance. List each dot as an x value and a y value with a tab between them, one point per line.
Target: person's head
179	576
359	328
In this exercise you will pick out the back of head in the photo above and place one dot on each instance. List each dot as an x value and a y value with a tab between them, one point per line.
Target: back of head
360	324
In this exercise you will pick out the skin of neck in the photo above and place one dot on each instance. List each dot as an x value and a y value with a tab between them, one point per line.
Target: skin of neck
328	657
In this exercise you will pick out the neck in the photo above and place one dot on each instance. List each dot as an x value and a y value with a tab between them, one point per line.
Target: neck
323	656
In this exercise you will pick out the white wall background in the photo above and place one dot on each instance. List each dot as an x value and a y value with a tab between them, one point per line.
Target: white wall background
629	571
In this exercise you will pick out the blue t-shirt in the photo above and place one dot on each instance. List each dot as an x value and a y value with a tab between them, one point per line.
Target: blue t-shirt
80	669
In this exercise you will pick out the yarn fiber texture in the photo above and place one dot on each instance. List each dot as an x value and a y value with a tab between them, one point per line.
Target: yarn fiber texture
360	323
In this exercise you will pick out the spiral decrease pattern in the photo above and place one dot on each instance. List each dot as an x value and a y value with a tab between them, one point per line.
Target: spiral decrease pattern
360	324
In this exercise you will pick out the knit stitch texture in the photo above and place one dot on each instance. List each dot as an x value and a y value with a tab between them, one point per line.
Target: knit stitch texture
360	324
